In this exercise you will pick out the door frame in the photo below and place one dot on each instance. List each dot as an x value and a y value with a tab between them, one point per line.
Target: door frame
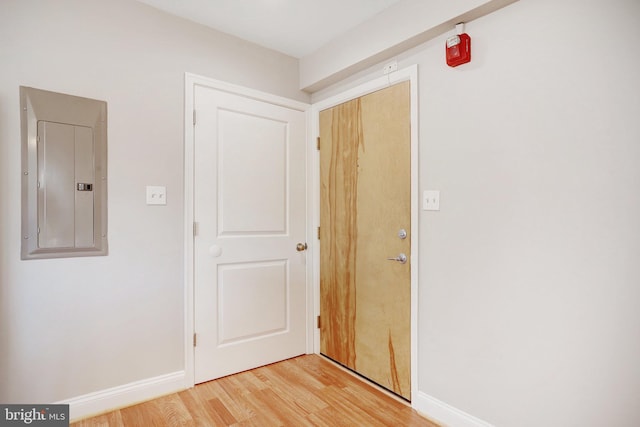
411	74
190	82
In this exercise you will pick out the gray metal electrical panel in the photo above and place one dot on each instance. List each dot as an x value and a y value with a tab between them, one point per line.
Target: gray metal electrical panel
64	175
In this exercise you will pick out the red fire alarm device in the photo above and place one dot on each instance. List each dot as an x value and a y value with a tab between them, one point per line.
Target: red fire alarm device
458	49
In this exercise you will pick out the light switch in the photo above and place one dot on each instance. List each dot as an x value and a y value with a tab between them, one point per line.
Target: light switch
156	195
431	200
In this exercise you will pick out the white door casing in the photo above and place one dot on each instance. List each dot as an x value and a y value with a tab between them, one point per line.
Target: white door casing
249	202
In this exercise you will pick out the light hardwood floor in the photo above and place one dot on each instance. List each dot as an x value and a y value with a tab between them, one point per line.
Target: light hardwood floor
303	391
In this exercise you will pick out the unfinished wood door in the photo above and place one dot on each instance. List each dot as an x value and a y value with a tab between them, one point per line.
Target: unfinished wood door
249	204
365	298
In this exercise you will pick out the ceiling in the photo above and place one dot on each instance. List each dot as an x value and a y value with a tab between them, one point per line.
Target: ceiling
294	27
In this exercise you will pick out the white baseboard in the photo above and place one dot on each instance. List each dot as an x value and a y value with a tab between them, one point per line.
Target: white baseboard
444	413
124	395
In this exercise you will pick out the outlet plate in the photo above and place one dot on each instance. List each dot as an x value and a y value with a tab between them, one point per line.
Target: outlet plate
156	195
431	200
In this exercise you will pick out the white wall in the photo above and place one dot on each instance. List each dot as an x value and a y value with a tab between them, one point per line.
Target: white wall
530	272
403	25
74	326
529	284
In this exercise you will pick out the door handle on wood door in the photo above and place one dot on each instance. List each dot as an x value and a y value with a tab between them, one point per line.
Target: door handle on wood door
401	258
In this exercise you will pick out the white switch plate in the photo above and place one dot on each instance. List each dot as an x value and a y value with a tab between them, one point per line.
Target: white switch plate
431	200
156	195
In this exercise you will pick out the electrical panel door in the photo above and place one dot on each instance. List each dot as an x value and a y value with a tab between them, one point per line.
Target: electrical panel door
64	202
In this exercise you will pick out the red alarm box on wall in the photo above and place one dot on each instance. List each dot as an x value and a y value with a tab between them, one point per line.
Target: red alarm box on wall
458	50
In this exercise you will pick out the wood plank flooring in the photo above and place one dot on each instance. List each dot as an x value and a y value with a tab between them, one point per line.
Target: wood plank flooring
303	391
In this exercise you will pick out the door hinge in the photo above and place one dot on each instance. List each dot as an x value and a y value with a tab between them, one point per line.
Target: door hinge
318	233
195	339
194	117
195	229
318	144
318	322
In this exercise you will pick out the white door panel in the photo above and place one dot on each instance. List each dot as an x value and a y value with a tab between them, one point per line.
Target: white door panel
266	282
253	164
249	202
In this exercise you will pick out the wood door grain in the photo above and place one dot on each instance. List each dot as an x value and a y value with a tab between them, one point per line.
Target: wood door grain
341	135
365	194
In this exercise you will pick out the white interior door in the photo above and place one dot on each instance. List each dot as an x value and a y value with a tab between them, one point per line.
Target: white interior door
249	206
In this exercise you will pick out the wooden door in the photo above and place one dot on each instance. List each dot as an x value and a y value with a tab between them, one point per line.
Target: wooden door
365	202
249	193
